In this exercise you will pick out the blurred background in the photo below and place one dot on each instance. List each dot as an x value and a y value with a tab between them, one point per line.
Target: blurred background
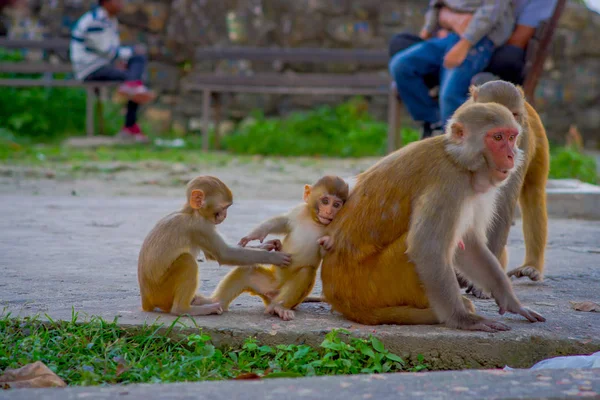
176	32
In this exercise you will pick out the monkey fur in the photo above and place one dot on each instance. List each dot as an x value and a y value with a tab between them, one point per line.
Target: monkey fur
396	240
282	289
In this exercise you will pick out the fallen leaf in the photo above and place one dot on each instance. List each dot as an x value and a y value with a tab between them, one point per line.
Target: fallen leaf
587	306
35	375
247	376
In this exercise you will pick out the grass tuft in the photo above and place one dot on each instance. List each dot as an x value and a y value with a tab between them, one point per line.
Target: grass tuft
100	352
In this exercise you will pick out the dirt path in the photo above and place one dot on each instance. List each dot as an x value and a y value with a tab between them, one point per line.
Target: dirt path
280	179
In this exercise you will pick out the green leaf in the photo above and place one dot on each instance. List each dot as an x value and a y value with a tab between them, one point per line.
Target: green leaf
377	345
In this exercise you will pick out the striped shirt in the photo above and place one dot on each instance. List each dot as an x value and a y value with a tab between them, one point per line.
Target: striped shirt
95	42
492	18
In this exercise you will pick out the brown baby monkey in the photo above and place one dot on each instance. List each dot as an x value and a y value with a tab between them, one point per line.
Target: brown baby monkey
167	268
282	289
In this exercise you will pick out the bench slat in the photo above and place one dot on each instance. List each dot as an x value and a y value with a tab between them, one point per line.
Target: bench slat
287	90
46	44
292	80
295	54
34	67
53	83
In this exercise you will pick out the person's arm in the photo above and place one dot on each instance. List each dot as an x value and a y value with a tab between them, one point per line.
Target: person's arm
431	20
528	19
490	12
95	38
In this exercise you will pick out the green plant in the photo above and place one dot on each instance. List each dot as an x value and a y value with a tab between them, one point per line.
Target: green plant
100	352
568	162
346	130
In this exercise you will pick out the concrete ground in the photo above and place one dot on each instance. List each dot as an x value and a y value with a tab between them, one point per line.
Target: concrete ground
466	385
59	252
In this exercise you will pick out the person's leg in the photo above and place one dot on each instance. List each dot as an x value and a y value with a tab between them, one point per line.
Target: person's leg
454	87
403	41
507	63
110	73
408	68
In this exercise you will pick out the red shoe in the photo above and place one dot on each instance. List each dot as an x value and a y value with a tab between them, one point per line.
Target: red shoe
133	133
136	92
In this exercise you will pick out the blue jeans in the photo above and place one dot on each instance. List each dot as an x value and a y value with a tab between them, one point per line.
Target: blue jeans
409	68
136	66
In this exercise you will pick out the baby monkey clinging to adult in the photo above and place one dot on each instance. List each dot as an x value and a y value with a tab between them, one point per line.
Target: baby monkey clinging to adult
167	268
304	229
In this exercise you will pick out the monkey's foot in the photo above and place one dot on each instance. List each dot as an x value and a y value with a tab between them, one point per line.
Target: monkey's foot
474	322
195	311
200	300
468	305
526	270
479	293
283	313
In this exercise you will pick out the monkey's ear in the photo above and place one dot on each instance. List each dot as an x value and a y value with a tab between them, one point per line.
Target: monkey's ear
197	199
307	189
457	130
474	91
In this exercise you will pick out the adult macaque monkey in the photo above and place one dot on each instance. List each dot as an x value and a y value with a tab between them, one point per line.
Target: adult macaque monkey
396	239
527	184
167	268
282	289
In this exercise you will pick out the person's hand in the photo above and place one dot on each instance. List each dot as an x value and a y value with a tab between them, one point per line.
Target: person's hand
442	33
424	34
457	54
140	49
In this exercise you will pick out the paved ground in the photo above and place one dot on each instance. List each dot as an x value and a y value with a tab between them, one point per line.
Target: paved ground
545	384
62	252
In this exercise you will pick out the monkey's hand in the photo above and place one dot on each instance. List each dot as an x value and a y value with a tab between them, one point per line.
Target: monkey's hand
269	245
326	242
532	316
280	259
526	270
252	236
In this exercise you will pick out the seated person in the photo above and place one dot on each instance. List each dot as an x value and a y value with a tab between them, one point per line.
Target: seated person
508	60
96	53
456	55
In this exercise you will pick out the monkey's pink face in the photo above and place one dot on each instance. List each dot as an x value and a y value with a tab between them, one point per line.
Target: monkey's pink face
501	144
327	208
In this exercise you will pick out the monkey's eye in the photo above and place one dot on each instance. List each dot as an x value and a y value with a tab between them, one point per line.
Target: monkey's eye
498	137
337	205
511	138
325	200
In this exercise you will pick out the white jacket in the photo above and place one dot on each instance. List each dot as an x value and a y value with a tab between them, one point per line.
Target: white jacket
95	42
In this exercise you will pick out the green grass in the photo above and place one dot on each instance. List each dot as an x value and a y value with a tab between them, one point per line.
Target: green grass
568	162
101	352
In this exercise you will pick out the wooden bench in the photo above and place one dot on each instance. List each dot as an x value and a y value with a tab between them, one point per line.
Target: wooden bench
536	53
48	70
364	83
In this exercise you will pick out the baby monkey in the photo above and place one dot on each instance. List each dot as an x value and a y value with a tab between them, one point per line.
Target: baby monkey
167	268
304	228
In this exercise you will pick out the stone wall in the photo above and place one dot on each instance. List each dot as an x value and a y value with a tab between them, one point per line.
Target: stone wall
569	91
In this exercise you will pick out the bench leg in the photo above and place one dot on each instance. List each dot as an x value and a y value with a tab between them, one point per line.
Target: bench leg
218	110
205	119
100	109
394	139
89	111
